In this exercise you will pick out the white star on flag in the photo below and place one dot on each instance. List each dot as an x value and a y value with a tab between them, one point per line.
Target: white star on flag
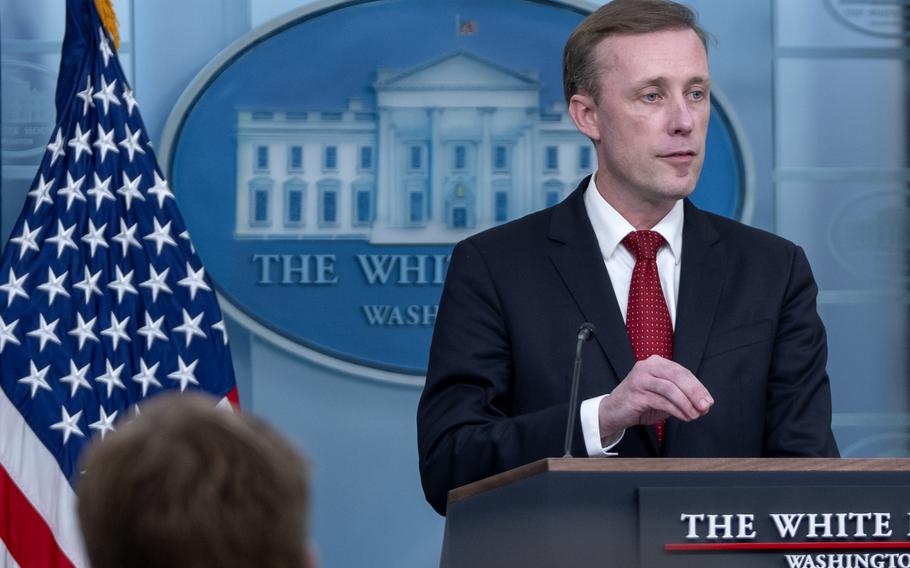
100	190
146	377
220	327
152	330
68	424
86	96
27	240
195	280
35	379
54	286
79	142
106	95
131	143
111	378
73	190
130	189
130	101
45	332
95	236
42	192
191	327
105	142
89	284
122	284
56	147
76	379
127	236
6	333
83	330
161	236
105	422
157	282
104	47
117	330
184	374
14	287
64	238
161	190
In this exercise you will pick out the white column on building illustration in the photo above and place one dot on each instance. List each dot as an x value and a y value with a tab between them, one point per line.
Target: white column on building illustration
521	176
243	186
534	200
437	192
484	198
385	187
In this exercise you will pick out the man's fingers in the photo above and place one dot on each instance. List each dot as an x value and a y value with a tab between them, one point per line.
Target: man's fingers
655	387
683	379
665	395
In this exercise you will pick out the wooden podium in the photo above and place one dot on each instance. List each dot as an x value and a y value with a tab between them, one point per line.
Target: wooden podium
629	512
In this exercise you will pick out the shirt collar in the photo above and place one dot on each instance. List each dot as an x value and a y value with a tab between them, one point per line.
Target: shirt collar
611	228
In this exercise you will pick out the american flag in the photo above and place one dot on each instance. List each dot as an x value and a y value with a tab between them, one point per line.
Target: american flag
465	27
103	300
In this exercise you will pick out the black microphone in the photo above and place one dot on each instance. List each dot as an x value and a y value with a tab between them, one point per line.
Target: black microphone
585	332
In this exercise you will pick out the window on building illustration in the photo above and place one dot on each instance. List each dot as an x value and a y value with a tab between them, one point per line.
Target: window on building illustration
416	162
296	159
500	158
366	157
261	213
262	158
329	206
459	217
501	206
330	161
294	197
552	158
295	207
584	158
362	212
260	195
415	207
461	157
263	115
552	191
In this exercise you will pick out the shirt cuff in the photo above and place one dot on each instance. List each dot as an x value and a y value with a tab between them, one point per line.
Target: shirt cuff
590	427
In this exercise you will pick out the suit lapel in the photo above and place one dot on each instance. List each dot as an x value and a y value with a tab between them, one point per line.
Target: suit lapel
577	258
700	285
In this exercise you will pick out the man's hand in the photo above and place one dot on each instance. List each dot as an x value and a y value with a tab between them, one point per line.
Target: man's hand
654	389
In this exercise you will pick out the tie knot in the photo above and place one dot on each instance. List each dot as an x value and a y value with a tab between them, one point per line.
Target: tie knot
643	244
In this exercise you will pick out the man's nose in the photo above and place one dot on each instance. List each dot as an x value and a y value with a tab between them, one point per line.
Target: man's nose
681	120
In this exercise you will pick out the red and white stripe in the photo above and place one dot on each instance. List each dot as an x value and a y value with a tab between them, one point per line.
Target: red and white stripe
40	526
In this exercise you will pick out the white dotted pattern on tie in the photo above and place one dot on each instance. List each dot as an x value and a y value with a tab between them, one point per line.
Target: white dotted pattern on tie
648	319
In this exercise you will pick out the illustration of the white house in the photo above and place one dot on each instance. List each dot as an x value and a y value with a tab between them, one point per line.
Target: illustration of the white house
454	146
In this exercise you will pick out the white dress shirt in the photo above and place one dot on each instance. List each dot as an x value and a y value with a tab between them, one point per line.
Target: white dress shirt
611	228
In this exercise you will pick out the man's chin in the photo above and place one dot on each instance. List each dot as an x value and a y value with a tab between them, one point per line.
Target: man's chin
675	192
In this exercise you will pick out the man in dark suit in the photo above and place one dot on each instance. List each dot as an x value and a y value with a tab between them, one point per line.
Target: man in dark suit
708	342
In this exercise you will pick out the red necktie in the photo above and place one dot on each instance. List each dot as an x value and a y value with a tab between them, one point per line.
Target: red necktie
647	317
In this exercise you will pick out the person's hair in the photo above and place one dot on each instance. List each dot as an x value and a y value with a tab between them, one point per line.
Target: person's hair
619	17
189	484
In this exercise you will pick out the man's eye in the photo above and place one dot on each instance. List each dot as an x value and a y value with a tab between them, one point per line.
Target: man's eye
651	97
697	95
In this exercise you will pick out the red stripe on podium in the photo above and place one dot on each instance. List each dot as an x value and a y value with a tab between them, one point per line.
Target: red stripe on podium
737	546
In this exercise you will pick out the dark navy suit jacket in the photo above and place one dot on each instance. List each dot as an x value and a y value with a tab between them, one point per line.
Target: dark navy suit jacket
497	388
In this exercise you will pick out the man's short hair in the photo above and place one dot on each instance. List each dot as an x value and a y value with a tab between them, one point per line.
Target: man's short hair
189	484
620	17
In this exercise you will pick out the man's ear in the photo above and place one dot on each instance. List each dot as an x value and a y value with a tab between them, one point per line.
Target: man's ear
584	115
